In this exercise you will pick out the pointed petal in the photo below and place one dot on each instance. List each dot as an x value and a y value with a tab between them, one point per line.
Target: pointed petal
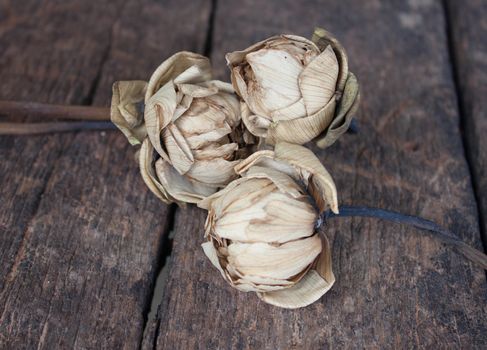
158	114
301	130
228	104
216	172
277	74
324	263
210	203
293	111
318	81
225	151
257	125
238	83
322	39
254	159
221	86
179	186
284	182
195	90
272	217
321	185
178	150
280	262
183	106
285	221
346	109
194	74
182	67
146	159
310	288
202	124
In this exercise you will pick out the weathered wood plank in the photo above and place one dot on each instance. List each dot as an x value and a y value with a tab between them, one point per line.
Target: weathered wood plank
80	233
468	27
395	287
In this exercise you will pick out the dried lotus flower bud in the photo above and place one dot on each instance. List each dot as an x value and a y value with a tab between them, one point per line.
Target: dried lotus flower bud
261	228
189	126
295	89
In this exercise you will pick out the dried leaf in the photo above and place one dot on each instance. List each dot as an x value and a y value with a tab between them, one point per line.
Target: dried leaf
345	112
126	111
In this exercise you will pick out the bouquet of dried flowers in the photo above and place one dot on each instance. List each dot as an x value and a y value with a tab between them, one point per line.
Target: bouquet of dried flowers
236	151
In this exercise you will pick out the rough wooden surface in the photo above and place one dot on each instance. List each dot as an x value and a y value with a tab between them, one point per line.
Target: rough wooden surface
468	28
396	288
80	236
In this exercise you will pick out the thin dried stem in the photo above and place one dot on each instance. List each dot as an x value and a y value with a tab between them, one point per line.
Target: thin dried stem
444	235
49	111
52	127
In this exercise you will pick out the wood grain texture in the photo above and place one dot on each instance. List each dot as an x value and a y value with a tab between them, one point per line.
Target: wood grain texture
468	27
80	235
396	288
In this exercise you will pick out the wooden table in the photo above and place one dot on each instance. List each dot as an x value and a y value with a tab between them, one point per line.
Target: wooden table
82	240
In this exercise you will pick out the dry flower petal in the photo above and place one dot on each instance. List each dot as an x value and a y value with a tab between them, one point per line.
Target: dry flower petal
323	189
309	289
146	159
179	187
269	261
318	80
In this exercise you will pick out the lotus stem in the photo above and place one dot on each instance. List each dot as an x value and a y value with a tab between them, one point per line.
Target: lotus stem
86	118
18	109
52	127
444	235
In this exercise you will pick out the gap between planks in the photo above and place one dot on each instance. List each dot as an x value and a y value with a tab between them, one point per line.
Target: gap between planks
461	111
165	250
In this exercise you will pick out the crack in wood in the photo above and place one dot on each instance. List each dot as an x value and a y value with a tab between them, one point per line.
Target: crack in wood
452	54
35	208
154	298
210	29
88	100
151	312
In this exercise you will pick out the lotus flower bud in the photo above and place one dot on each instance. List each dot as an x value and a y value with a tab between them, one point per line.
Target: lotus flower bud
293	91
261	229
189	126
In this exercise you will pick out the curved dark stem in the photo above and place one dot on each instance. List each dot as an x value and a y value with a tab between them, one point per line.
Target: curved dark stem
444	235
